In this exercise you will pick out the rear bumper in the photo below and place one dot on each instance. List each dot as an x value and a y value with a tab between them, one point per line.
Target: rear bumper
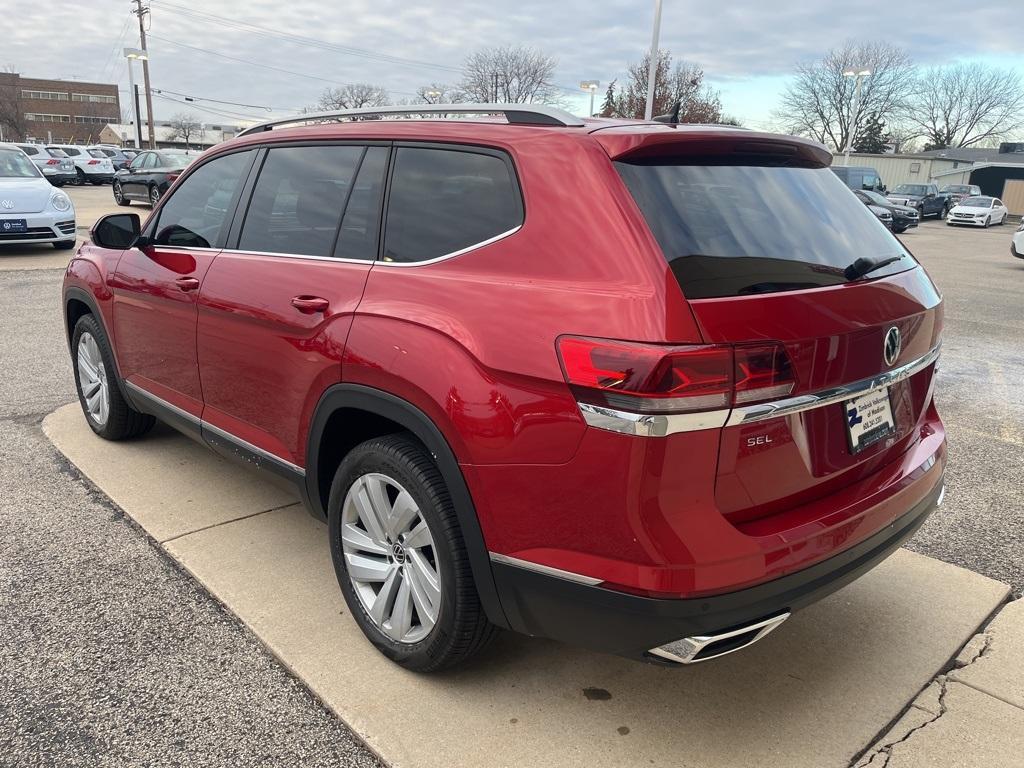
610	621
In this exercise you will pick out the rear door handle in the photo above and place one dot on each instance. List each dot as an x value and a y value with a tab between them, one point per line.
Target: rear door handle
187	283
310	305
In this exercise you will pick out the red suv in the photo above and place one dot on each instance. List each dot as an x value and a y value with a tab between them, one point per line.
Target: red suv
642	388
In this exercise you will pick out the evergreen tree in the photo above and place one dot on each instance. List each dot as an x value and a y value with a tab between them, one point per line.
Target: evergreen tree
608	108
871	137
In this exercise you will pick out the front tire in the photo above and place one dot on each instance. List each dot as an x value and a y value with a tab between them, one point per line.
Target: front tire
988	220
106	411
400	557
119	197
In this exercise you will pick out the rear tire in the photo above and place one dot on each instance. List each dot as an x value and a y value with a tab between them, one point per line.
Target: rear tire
106	411
80	181
154	197
119	197
389	513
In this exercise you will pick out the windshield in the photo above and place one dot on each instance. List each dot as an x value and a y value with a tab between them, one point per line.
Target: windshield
14	164
175	158
729	230
976	202
876	198
911	189
958	188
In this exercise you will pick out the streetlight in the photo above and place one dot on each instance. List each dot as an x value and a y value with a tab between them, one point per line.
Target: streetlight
131	54
592	86
431	95
859	75
652	67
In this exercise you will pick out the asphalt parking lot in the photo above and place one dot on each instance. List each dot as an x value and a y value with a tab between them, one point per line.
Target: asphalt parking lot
100	625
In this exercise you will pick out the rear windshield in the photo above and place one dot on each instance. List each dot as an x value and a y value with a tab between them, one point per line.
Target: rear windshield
56	152
97	153
732	230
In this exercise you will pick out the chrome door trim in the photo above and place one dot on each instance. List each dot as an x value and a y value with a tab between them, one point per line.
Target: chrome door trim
661	425
547	570
202	425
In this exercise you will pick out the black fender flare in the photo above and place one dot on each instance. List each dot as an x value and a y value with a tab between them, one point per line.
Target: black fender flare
411	418
79	294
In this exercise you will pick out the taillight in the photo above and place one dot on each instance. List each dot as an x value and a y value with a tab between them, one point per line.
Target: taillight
647	378
763	372
171	177
94	162
53	162
657	378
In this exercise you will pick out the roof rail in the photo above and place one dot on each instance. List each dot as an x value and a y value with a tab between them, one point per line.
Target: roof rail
516	114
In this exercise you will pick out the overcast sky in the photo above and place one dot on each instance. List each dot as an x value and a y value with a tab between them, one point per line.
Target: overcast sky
747	48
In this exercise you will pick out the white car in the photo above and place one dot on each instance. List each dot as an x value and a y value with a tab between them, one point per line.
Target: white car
978	211
91	165
56	166
31	210
1017	244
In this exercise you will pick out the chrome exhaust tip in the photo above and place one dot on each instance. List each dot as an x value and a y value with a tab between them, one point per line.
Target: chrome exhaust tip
691	650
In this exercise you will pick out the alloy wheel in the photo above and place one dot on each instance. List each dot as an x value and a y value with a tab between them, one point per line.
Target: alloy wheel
154	196
118	195
92	379
390	558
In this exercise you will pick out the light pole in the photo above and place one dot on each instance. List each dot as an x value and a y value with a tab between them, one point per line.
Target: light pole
592	86
432	95
130	54
859	75
652	69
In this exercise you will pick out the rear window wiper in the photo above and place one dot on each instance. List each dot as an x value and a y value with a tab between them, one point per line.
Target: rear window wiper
866	264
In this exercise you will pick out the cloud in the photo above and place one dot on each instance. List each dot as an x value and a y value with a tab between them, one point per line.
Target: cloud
594	40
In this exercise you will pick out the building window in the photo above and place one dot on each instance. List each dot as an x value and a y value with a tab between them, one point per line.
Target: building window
915	167
88	119
41	118
45	95
93	98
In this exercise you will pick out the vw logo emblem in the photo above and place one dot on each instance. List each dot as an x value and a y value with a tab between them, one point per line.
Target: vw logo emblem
893	344
398	552
8	204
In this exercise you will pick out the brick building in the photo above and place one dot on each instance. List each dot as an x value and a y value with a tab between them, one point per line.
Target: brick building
65	111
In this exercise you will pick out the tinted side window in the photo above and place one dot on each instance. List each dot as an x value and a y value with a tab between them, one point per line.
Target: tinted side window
137	162
361	225
442	201
298	201
28	150
71	152
194	215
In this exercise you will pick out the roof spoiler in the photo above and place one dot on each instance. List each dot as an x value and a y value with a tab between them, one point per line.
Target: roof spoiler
733	144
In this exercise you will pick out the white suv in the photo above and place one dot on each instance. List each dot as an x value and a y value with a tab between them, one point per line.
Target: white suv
54	164
91	165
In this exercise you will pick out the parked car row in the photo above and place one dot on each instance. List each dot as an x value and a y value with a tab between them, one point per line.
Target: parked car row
75	164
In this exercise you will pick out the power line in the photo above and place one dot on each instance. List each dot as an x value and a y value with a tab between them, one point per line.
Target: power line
189	97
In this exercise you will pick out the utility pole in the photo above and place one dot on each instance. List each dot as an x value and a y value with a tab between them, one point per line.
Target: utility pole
653	68
141	13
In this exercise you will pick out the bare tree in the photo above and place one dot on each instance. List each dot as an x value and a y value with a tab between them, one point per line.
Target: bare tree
438	93
184	126
964	104
510	74
682	84
12	117
352	96
819	101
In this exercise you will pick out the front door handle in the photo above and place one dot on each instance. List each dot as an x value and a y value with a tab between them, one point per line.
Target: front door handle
310	305
187	283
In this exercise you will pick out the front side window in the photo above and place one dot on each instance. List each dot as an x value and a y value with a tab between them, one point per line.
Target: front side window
734	230
298	201
194	215
136	164
443	201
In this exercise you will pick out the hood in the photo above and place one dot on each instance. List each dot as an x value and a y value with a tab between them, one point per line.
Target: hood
904	209
24	195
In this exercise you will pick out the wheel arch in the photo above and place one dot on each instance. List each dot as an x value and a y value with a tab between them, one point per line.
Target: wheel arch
346	415
78	303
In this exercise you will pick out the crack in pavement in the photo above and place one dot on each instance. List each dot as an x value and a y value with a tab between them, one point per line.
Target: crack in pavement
868	760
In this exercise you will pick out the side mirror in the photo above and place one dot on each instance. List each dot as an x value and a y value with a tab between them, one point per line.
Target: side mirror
116	230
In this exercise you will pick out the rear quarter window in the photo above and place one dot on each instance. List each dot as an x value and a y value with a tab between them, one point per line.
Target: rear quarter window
443	201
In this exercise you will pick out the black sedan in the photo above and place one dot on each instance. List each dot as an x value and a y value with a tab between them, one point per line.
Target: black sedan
149	175
903	217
